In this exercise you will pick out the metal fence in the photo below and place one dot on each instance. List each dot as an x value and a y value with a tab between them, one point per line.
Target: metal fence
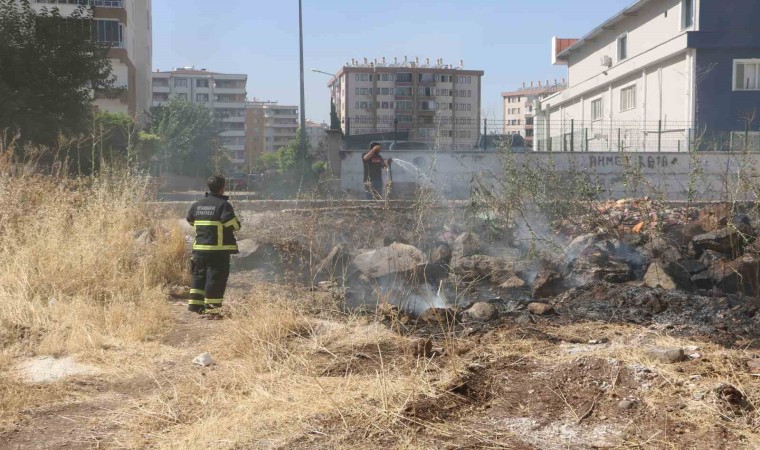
465	133
626	136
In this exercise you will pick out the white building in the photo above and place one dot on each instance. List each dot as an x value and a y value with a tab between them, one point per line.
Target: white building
519	104
631	83
436	103
223	93
127	26
316	132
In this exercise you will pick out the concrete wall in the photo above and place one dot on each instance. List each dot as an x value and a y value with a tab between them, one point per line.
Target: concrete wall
668	174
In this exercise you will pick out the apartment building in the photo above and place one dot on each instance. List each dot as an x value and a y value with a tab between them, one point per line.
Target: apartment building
223	93
317	132
518	107
126	25
438	103
269	127
655	75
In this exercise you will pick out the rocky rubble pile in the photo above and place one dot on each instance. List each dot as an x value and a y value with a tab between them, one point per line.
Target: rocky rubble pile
642	262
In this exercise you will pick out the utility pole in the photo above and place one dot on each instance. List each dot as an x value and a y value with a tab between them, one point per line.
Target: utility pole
303	95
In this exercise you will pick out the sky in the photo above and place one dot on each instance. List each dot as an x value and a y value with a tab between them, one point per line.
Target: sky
508	39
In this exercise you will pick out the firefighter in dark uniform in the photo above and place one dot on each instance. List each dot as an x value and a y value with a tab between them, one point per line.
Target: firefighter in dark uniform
215	225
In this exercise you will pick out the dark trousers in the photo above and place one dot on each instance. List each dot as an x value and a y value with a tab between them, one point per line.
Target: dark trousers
210	274
375	190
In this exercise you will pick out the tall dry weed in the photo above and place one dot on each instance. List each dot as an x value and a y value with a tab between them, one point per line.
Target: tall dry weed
83	260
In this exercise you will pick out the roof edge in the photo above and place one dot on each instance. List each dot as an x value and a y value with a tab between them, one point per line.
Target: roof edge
612	20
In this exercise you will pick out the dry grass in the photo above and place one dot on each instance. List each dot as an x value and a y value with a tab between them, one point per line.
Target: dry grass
284	375
73	279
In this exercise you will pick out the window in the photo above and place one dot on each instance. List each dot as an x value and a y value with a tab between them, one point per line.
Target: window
596	109
404	104
425	91
182	97
404	77
109	32
747	74
622	47
201	83
628	98
687	14
180	82
428	106
404	91
404	118
364	77
364	105
201	98
426	77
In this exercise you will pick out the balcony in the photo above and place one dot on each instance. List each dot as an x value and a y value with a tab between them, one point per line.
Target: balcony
113	44
99	3
232	119
228	90
162	89
234	147
228	104
108	3
230	133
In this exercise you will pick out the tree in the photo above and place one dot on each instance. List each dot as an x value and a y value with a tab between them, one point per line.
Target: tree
289	159
189	143
50	68
298	170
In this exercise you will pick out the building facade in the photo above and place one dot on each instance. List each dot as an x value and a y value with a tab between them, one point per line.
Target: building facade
223	93
126	25
437	103
518	107
269	127
659	75
317	132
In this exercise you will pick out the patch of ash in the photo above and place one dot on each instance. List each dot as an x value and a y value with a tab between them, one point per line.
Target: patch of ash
562	435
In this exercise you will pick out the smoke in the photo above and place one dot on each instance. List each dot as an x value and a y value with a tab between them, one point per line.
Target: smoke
410	297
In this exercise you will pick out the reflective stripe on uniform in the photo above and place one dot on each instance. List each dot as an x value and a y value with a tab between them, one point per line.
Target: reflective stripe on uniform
197	291
234	223
214	247
219	236
195	302
214	301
